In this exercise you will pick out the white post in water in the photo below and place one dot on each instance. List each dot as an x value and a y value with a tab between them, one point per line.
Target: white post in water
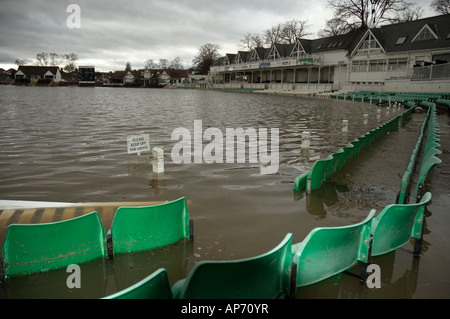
344	126
389	100
378	114
306	137
158	160
366	117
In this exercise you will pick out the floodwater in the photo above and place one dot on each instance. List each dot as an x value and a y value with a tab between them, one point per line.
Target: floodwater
69	144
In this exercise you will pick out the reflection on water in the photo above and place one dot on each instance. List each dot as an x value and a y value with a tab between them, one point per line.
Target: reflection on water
69	145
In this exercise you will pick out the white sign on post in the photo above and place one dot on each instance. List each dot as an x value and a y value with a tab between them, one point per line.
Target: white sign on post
138	144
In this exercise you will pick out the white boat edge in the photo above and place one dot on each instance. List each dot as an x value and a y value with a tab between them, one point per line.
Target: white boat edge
15	204
24	204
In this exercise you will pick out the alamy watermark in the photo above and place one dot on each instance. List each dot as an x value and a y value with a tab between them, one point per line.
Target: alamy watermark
219	145
74	280
374	279
74	19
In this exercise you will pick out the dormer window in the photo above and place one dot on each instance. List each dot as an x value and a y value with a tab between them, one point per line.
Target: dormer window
369	46
401	41
425	34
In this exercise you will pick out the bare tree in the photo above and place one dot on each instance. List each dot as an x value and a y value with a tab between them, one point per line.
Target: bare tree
163	63
128	66
20	62
294	30
251	41
54	59
366	13
176	64
150	64
408	15
205	57
273	35
42	59
334	27
441	6
70	58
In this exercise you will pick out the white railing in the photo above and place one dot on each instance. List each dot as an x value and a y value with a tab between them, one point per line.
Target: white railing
437	71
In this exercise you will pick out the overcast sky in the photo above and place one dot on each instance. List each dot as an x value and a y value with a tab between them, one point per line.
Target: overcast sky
113	32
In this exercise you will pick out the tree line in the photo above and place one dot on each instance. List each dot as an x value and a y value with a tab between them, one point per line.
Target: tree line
54	59
175	64
348	15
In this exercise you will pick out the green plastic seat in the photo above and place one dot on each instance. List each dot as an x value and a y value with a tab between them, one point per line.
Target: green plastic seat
327	251
154	286
32	248
267	276
396	224
300	181
146	227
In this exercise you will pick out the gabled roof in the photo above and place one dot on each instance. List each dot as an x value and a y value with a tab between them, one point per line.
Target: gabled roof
260	54
37	70
219	61
118	74
243	56
283	50
391	38
346	42
374	33
229	58
440	25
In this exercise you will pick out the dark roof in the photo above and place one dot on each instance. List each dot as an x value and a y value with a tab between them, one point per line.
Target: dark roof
231	57
243	56
386	35
346	42
37	70
118	74
262	53
439	25
219	61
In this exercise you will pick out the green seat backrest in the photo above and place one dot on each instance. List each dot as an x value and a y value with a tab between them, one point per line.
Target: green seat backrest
327	251
396	224
155	286
146	227
31	248
266	276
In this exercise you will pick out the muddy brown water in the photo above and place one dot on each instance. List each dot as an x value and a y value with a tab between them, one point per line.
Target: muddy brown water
68	144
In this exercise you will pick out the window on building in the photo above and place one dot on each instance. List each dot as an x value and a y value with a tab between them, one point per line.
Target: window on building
401	41
376	65
397	64
425	34
359	66
369	46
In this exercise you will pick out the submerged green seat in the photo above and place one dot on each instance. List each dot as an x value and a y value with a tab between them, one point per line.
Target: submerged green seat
154	286
396	224
267	276
327	251
146	227
31	248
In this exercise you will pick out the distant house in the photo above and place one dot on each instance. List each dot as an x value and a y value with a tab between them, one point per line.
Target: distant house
38	73
129	78
146	77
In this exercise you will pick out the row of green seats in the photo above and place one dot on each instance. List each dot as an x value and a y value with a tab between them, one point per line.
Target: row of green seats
407	176
430	149
322	170
325	252
274	274
386	97
32	248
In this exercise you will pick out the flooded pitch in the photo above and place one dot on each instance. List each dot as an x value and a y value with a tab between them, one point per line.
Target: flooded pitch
70	145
